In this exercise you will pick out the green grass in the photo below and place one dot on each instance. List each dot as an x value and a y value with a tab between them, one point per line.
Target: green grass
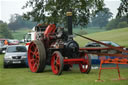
89	30
119	36
19	34
23	76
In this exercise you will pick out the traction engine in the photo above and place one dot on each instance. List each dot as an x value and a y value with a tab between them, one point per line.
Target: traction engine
57	48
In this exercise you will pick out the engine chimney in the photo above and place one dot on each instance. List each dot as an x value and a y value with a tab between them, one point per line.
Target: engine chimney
69	22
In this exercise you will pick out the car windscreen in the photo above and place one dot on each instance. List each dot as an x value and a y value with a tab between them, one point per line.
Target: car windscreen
111	43
17	49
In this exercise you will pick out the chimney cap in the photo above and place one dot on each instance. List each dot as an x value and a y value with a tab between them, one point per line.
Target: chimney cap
69	13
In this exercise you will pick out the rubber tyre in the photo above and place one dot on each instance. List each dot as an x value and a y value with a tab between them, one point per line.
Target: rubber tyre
5	66
41	53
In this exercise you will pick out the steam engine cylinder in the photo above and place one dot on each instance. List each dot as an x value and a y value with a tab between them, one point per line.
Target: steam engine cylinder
71	49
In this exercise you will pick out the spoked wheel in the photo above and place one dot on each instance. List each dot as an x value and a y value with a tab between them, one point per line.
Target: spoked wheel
57	63
36	56
86	66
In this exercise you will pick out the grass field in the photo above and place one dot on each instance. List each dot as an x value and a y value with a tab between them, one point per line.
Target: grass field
19	34
23	76
89	30
118	36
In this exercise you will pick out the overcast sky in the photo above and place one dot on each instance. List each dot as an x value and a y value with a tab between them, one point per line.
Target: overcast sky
9	7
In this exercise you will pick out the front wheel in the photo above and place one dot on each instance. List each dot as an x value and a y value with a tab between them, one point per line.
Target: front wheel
85	67
5	65
57	63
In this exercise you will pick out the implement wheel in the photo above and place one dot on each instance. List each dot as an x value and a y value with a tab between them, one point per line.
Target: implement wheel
57	63
86	66
36	56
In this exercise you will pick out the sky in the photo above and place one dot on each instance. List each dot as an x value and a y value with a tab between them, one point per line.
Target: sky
10	7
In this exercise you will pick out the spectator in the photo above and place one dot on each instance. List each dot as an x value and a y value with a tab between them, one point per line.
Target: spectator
5	42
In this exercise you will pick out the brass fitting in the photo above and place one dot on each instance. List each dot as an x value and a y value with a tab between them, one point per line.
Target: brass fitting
69	13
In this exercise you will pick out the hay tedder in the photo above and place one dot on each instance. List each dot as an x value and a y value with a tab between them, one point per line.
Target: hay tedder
57	48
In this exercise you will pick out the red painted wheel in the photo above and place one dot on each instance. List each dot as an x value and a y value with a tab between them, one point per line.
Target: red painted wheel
86	66
57	63
36	56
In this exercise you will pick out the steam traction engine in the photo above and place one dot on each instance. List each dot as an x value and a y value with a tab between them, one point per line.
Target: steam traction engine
57	48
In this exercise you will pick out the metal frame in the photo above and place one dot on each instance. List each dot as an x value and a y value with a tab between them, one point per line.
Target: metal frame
112	61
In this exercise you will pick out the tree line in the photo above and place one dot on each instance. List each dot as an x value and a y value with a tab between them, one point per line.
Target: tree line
16	22
102	19
90	13
4	31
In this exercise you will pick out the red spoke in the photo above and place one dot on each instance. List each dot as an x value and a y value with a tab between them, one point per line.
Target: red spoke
33	46
58	62
32	52
36	53
32	60
56	68
35	65
37	60
36	50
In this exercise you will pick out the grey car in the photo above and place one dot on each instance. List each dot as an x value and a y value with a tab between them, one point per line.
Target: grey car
94	44
15	54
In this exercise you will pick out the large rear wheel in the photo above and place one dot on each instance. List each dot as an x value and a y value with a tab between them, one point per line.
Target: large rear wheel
57	63
36	56
85	67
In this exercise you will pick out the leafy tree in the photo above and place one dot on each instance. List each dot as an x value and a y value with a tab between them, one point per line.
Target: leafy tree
112	24
101	18
17	22
122	24
118	22
4	31
13	25
1	22
123	8
54	11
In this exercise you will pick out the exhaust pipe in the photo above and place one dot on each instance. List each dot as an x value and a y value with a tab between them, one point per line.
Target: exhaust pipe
69	22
